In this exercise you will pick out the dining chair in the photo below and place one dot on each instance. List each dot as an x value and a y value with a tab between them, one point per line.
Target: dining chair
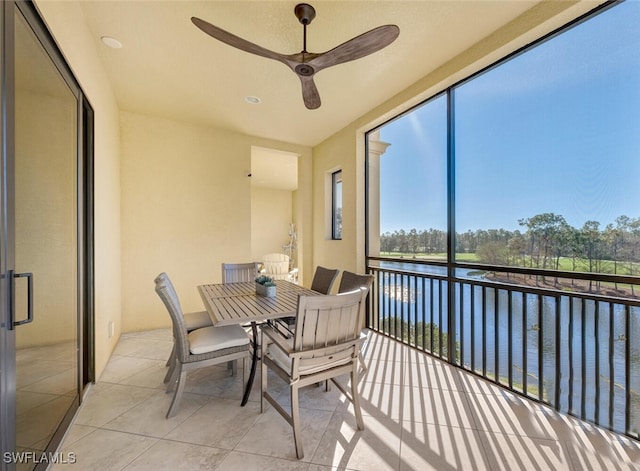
276	266
325	345
323	279
239	272
199	348
192	321
322	282
348	282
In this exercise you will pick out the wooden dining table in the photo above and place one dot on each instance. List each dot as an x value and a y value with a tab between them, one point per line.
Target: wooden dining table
238	303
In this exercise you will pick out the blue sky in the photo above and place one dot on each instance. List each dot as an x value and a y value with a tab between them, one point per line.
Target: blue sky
556	129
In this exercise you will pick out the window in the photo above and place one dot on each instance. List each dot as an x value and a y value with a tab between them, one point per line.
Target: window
543	161
546	152
336	205
408	175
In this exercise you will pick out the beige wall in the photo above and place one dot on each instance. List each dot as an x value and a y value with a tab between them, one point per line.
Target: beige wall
346	149
338	152
186	209
271	215
66	22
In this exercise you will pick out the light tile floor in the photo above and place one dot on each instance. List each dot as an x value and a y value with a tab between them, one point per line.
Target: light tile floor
419	413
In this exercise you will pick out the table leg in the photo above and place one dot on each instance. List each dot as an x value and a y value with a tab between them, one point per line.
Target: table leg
254	363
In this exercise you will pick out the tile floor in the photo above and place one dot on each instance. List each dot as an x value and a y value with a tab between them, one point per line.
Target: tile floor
419	413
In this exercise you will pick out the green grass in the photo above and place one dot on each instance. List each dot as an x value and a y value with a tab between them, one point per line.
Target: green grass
564	264
606	267
467	257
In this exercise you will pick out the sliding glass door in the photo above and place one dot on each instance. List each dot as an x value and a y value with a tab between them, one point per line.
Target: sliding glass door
43	245
46	242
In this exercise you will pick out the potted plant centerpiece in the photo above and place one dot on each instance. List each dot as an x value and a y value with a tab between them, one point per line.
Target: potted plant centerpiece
265	286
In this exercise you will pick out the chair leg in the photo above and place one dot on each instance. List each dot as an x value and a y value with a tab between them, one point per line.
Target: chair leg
170	359
295	421
363	365
172	366
172	378
233	366
263	376
355	396
182	379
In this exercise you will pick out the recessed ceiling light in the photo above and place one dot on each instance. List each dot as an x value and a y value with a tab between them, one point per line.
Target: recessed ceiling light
111	42
254	100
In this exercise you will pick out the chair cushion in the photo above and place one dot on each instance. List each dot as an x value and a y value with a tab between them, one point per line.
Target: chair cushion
279	357
284	362
197	320
209	339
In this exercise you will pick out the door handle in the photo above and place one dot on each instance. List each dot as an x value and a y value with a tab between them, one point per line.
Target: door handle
29	277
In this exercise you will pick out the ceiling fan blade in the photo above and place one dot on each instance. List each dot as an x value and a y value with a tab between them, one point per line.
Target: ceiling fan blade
235	41
360	46
310	93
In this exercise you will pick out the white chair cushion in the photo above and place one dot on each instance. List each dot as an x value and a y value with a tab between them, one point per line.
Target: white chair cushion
279	357
209	339
284	362
197	320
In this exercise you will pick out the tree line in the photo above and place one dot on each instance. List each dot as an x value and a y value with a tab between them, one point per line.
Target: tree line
545	240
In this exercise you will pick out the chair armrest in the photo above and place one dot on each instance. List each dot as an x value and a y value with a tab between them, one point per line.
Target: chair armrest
276	337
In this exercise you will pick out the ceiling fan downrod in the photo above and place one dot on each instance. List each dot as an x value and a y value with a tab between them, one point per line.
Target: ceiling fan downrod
305	14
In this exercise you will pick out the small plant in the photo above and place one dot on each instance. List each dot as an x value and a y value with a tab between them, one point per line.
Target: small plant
265	286
265	281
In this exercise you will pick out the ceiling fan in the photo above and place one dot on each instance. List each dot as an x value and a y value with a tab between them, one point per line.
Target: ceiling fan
306	64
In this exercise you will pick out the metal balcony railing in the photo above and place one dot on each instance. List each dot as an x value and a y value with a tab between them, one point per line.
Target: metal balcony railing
576	352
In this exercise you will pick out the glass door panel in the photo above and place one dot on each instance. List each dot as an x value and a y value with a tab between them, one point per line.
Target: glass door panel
46	242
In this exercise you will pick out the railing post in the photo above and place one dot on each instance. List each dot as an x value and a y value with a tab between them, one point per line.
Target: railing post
451	232
558	362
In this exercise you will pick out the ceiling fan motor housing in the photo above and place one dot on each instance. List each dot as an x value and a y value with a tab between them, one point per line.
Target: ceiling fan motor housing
305	70
305	13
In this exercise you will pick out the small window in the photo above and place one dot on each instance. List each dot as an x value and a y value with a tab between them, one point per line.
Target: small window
336	205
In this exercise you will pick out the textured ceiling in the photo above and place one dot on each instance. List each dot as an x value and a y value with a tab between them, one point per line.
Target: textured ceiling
171	69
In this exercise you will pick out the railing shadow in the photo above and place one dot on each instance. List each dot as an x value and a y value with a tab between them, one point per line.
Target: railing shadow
446	418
